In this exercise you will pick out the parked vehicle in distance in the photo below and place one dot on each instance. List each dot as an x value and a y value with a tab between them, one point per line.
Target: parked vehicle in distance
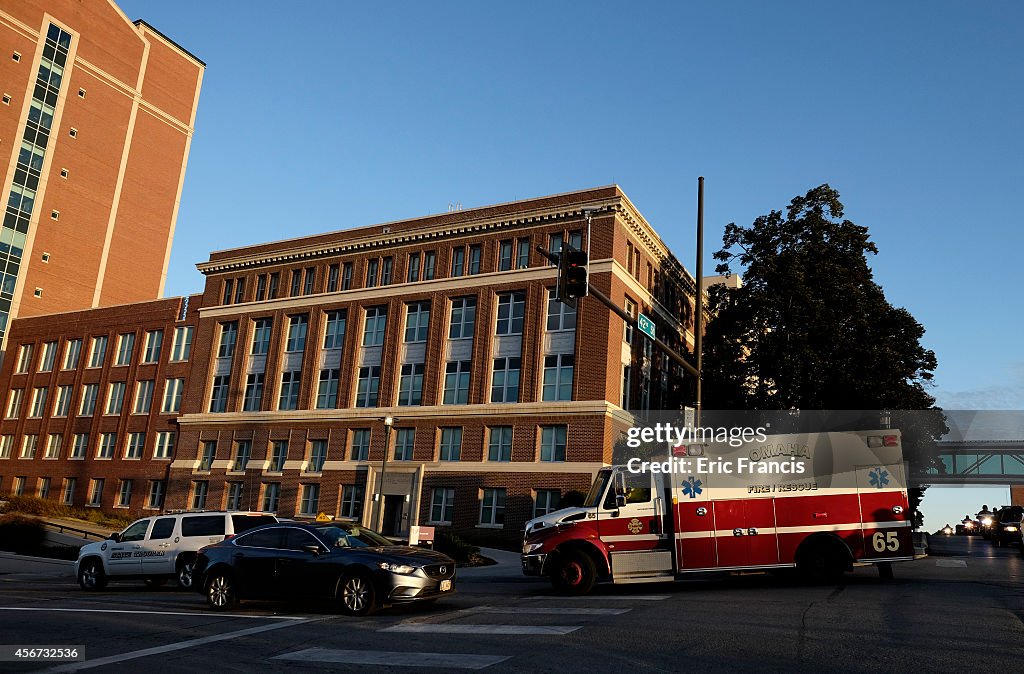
340	561
160	547
1007	525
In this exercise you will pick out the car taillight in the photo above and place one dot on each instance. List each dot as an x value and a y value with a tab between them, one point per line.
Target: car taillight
228	537
891	440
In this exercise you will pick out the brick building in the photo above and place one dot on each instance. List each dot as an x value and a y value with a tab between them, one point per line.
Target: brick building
97	117
500	399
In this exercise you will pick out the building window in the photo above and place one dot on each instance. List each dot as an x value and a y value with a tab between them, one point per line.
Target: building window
405	439
271	496
554	245
7	99
172	396
19	486
278	455
334	332
385	271
500	445
492	507
522	254
505	380
458	262
45	257
576	240
243	451
48	357
410	385
95	492
199	490
368	386
90	394
14	403
546	501
143	396
309	280
43	488
275	279
442	505
463	317
327	391
6	443
115	398
297	327
511	307
505	255
352	501
261	287
317	456
552	443
38	402
107	446
134	446
333	274
53	445
63	403
253	400
310	503
360	450
234	500
164	447
29	443
154	340
627	385
208	456
181	345
561	316
69	490
98	352
228	337
346	276
376	322
55	215
239	290
72	353
413	273
80	446
219	394
24	358
429	263
289	398
155	499
229	286
451	443
262	328
474	259
456	383
124	494
557	384
372	270
125	346
417	322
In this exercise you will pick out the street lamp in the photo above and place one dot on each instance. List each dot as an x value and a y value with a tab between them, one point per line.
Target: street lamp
388	422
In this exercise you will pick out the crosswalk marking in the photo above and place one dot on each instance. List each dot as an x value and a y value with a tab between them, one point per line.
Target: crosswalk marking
950	562
549	610
395	658
449	628
603	597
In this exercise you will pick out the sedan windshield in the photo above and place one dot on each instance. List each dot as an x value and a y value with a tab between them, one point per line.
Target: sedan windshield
351	537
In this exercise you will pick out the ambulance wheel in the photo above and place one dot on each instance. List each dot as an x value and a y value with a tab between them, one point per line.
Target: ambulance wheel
822	563
574	573
885	570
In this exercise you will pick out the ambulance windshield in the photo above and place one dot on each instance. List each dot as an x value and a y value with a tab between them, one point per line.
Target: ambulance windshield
593	499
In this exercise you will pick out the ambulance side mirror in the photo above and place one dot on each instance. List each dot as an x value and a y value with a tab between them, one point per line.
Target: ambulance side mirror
620	500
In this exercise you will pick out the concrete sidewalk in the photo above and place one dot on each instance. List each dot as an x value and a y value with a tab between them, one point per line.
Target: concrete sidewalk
14	566
507	567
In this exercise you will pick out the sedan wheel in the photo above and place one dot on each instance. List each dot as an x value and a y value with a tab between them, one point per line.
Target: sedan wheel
356	595
220	592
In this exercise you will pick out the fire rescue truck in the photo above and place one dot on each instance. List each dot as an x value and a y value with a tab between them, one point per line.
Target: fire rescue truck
717	507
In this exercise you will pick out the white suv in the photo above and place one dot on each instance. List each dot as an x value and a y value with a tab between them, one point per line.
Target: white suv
160	547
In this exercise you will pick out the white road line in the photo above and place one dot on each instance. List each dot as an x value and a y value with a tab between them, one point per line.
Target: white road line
950	562
483	629
395	659
178	646
209	614
546	610
616	597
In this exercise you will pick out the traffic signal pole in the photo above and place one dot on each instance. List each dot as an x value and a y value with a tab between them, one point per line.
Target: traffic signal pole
698	321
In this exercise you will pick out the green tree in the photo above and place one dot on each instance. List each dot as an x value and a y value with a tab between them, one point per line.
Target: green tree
811	330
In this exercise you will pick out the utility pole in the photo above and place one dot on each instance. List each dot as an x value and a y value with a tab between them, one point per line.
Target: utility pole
698	323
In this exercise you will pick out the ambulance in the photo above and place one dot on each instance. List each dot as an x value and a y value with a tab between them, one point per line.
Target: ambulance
817	502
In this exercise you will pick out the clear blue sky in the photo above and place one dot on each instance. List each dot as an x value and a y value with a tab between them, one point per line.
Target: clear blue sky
317	116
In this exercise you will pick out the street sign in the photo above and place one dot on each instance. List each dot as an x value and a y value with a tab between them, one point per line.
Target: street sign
646	325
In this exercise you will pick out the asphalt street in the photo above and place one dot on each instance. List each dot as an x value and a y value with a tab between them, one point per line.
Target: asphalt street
961	607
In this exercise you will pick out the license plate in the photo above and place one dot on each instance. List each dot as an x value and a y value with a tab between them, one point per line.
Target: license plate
446	585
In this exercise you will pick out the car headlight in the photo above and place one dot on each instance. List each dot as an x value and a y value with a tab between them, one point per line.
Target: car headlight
404	569
987	522
1011	528
532	547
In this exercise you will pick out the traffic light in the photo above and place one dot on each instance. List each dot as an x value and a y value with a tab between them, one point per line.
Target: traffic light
572	275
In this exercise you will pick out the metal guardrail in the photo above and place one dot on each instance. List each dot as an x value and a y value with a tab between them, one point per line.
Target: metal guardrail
61	528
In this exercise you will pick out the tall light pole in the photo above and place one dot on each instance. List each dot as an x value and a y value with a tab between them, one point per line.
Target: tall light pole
388	421
698	323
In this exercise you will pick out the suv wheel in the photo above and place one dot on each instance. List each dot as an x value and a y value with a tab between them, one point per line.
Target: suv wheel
185	577
91	576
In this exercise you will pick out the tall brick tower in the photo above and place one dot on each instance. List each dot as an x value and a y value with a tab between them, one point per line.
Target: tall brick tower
97	117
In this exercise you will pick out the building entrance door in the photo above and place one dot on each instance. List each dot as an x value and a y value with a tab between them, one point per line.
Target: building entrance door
393	515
